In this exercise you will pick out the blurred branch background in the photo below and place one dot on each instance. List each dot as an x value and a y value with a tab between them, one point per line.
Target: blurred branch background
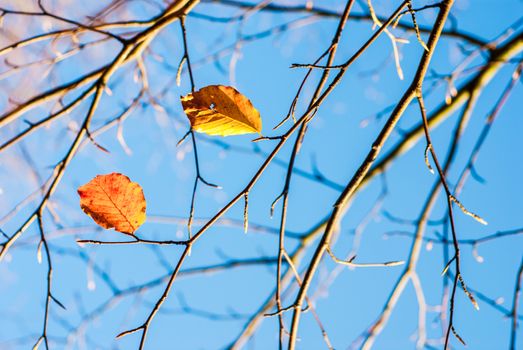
391	137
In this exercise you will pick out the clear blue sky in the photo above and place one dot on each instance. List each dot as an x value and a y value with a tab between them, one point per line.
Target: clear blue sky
336	141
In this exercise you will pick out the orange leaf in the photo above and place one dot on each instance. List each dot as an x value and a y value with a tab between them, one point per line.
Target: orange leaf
221	110
113	201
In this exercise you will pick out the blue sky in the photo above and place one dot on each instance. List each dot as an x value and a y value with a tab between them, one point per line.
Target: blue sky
337	141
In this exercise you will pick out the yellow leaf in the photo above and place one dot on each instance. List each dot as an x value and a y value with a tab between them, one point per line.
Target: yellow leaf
113	201
221	110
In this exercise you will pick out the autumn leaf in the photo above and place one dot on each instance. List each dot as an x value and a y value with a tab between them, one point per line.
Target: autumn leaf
113	201
221	110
